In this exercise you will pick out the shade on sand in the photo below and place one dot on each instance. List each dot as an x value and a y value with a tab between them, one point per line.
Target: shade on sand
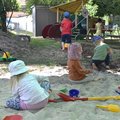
73	6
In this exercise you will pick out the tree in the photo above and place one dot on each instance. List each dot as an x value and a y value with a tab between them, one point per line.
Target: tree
107	7
6	6
42	2
92	8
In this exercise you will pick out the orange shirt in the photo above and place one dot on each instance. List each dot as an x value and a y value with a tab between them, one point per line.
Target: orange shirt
66	26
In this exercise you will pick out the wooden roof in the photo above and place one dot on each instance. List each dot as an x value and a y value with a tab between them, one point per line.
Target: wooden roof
73	6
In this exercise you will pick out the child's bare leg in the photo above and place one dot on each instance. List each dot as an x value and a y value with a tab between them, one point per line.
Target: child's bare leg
94	66
63	46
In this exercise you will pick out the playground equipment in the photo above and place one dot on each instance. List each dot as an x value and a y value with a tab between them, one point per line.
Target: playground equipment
110	107
46	30
51	31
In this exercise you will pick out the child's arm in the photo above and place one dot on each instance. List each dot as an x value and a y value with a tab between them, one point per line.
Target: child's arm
44	82
61	29
41	78
110	51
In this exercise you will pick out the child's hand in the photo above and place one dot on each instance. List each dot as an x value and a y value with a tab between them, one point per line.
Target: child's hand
88	71
49	91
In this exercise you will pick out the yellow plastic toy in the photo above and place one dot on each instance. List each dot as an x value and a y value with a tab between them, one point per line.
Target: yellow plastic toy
6	55
110	107
66	45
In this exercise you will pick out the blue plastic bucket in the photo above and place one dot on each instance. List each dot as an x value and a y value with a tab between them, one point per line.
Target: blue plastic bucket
74	92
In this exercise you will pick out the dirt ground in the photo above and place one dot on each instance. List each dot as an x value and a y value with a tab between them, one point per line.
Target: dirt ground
49	55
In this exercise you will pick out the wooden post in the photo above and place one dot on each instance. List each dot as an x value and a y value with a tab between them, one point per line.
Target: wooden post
87	24
57	15
76	20
87	27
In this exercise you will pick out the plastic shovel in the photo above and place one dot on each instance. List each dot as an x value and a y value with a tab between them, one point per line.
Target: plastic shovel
110	107
68	98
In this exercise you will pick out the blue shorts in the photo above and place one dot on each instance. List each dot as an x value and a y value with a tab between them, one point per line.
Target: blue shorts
66	38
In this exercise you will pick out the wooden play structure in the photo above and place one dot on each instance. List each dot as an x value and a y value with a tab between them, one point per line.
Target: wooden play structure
75	7
84	25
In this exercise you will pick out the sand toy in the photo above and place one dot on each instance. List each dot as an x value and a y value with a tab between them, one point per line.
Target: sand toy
68	98
66	45
6	57
64	90
110	107
13	117
74	92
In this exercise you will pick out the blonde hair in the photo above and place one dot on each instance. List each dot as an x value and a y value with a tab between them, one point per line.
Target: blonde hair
16	78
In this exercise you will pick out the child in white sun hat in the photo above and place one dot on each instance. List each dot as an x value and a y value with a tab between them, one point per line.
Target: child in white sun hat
29	91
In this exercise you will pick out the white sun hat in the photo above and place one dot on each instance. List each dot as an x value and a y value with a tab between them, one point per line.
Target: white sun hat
17	67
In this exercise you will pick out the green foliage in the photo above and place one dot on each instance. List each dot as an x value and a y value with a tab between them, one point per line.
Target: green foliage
95	7
107	7
6	6
92	8
9	5
42	2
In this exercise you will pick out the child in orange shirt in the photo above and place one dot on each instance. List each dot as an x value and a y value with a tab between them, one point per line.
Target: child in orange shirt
66	29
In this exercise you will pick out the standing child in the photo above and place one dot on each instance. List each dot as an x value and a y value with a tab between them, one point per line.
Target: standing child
76	71
102	53
99	27
29	91
66	29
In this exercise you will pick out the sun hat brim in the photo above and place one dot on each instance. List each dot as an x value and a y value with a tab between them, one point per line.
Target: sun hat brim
17	67
25	69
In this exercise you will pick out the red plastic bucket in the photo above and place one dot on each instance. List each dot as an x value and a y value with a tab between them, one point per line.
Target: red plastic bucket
13	117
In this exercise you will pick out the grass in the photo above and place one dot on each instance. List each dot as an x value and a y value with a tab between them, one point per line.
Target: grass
21	32
38	42
42	43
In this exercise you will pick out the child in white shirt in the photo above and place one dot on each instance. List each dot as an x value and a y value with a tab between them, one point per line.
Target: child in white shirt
29	91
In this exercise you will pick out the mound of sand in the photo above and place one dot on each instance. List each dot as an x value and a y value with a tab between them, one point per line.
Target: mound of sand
16	47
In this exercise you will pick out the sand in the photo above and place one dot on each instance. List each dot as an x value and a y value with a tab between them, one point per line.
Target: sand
96	84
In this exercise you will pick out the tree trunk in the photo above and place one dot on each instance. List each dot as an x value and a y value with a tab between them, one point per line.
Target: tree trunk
3	21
